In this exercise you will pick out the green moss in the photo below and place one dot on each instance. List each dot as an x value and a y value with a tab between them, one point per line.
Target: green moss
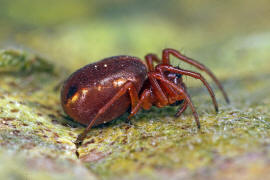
19	61
153	144
40	167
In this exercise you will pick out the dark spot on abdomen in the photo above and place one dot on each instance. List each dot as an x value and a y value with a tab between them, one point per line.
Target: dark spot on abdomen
72	90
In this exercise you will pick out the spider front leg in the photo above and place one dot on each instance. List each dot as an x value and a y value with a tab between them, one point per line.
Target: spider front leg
160	96
166	60
171	93
128	86
181	91
184	107
161	68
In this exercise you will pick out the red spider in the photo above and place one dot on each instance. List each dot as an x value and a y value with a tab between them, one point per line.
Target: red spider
102	91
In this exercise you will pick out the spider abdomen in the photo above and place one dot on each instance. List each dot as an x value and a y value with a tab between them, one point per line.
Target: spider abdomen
88	89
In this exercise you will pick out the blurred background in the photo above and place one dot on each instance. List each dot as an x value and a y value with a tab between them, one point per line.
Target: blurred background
76	32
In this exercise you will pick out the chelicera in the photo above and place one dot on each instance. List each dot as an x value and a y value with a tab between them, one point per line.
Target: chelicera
102	91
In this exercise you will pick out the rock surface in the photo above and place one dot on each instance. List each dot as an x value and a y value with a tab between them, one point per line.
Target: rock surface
36	138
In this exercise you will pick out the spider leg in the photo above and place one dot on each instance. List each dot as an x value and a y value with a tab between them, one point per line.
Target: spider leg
184	107
180	91
150	59
143	102
172	95
161	97
170	68
128	86
166	60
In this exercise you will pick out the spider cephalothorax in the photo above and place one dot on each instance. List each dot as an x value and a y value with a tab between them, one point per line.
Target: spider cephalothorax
177	79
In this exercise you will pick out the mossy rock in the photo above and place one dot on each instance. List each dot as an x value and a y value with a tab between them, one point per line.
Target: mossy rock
36	135
37	138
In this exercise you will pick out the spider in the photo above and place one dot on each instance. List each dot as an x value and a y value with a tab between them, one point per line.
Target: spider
102	91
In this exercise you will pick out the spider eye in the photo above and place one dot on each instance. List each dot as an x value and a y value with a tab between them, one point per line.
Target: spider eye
172	75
